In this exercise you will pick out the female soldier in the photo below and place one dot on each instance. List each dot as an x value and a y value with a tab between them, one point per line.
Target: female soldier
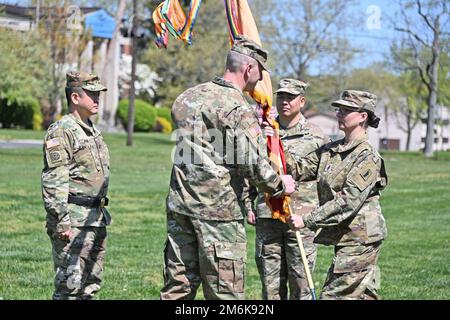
350	175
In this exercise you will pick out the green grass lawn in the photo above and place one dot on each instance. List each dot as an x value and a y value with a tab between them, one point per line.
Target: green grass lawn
415	258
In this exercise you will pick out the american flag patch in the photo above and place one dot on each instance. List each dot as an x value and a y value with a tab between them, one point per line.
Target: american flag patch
52	143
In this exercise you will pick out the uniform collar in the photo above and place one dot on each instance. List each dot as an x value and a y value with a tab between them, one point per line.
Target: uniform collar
297	129
225	83
89	128
341	146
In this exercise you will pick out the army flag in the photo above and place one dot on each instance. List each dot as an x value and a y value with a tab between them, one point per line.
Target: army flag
241	22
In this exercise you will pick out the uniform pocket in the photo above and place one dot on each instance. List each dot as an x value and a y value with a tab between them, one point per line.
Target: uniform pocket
373	281
231	259
355	258
375	223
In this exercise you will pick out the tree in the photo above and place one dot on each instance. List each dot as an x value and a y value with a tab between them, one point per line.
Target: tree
181	66
61	30
409	106
130	126
24	79
421	49
305	31
146	80
24	72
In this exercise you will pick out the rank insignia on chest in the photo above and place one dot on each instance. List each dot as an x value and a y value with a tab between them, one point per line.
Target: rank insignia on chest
366	175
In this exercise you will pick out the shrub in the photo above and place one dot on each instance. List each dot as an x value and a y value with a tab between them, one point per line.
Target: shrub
20	112
144	115
163	125
164	113
38	119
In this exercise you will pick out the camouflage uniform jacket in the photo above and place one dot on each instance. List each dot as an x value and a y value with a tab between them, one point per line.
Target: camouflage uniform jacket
350	178
217	134
76	162
299	141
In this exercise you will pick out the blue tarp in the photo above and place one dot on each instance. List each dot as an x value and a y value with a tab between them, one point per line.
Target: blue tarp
101	23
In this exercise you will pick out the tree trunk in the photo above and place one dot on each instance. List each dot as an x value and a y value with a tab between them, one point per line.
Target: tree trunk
408	139
432	96
408	129
130	126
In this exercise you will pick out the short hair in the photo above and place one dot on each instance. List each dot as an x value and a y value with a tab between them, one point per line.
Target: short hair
236	60
69	91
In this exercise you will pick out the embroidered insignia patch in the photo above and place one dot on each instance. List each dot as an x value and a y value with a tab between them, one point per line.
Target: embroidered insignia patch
367	174
55	156
52	143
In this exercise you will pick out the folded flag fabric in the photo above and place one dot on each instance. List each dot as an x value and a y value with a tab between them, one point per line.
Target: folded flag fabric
241	22
169	17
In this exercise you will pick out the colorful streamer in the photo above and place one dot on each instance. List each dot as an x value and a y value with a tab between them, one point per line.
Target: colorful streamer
169	17
186	35
162	36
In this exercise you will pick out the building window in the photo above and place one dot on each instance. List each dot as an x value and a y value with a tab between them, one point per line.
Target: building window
436	140
444	140
389	144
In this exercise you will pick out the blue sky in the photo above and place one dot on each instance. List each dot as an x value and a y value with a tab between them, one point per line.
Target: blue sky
376	37
375	40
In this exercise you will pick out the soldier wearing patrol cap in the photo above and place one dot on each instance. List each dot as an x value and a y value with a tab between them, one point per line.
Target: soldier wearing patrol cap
351	175
206	240
74	187
277	254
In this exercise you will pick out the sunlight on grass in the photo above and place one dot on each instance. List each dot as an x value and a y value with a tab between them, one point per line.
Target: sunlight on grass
414	259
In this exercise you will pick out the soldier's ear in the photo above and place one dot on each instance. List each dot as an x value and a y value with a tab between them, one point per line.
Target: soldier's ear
247	69
75	98
365	117
302	101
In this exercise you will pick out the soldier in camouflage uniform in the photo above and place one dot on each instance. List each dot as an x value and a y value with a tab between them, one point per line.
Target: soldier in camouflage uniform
217	132
350	175
74	187
277	253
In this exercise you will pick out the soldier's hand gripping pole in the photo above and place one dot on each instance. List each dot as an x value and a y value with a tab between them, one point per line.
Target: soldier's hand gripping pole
305	261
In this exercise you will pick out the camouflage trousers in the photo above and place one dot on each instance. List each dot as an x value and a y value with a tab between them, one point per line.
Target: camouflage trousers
207	252
354	274
279	262
78	263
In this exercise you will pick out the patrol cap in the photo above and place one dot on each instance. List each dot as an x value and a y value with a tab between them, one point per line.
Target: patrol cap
360	100
87	81
250	48
292	86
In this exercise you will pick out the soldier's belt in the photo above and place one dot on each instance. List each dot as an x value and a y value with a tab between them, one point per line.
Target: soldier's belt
89	202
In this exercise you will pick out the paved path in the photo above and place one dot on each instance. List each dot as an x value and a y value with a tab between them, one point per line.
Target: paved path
11	144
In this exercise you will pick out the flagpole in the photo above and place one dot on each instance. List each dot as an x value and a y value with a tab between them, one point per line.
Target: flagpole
304	261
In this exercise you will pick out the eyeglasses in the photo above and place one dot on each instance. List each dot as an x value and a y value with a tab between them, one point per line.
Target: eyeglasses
346	111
